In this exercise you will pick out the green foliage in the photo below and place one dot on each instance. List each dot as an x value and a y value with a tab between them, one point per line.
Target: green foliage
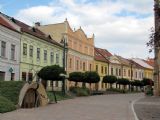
6	105
59	96
80	91
51	73
147	81
137	83
11	90
109	79
123	81
76	76
149	90
91	77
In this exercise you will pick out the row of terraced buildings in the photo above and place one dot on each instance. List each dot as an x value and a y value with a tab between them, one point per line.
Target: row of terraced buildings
25	49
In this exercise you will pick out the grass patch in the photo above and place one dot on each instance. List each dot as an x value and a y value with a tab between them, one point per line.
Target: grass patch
59	96
11	90
6	105
80	91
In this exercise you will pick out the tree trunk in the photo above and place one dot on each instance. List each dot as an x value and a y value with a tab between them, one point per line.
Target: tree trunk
84	85
76	84
110	86
55	98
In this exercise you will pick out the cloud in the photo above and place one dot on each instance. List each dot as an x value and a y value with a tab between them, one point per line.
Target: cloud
121	26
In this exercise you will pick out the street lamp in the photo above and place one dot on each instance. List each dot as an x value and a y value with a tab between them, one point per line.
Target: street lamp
65	46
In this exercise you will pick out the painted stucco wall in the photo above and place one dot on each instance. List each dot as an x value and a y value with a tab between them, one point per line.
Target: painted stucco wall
10	37
32	64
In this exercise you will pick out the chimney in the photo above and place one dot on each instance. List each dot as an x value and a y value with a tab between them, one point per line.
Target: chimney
37	24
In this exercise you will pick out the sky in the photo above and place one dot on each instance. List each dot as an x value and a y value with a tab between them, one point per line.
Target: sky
120	26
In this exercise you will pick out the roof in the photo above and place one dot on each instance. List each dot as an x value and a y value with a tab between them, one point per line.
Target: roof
150	61
142	63
98	56
6	24
32	30
104	52
124	61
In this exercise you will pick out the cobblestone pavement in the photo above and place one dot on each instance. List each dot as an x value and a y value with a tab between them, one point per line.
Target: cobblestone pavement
102	107
148	108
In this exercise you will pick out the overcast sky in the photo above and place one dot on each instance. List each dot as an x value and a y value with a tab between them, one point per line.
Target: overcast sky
120	26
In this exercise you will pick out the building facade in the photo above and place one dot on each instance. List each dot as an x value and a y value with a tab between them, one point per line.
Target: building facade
80	55
101	65
147	69
36	51
9	50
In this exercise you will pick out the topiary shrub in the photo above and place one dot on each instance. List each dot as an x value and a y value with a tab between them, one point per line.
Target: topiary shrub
109	79
11	90
76	77
6	105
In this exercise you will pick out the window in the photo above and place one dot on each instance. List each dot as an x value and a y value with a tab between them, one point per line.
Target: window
111	71
77	64
57	58
84	66
30	76
24	76
97	68
119	72
52	57
12	76
3	49
80	64
24	49
70	63
45	55
38	53
116	71
105	70
124	72
31	51
136	74
90	67
102	69
2	75
129	73
12	52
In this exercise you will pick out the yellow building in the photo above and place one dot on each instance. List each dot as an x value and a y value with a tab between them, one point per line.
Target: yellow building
101	66
147	69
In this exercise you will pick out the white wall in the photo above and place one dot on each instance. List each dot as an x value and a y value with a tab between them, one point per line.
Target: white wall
10	37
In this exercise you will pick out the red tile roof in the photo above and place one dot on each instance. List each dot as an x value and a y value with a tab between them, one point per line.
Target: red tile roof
150	61
6	24
101	54
104	52
98	56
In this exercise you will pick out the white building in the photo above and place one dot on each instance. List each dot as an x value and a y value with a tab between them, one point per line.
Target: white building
9	50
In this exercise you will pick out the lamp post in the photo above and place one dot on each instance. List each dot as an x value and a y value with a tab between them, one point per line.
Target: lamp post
64	42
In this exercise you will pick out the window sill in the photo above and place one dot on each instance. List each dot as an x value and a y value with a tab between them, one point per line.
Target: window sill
3	57
12	59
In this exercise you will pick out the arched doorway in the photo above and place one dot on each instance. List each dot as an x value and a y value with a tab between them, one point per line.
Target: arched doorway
31	99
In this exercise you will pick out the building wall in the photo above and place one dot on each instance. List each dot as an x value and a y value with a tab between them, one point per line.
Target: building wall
148	73
6	63
80	47
102	70
31	64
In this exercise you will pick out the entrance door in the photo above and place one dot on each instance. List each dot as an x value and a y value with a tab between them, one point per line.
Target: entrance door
2	75
31	99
